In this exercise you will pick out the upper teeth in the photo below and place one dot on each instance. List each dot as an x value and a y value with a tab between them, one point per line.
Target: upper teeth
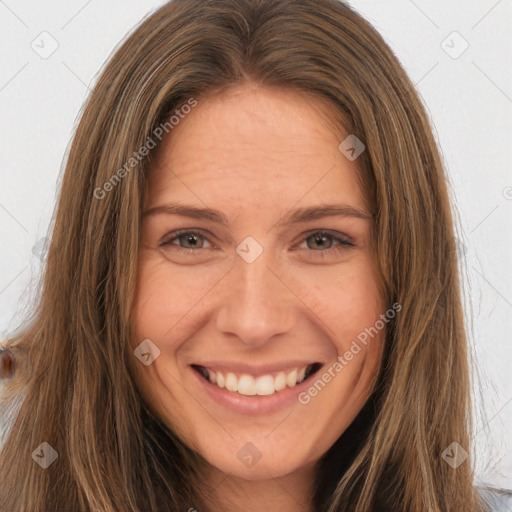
263	385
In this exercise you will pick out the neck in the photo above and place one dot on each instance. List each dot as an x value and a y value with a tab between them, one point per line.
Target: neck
289	493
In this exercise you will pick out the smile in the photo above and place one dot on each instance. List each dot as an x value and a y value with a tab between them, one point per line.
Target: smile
261	385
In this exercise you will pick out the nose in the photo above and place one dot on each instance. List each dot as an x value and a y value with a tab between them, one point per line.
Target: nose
256	304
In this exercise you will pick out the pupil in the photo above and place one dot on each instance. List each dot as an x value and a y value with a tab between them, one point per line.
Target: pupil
192	240
320	240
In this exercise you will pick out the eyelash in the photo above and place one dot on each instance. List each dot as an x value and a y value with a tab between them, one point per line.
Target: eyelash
342	242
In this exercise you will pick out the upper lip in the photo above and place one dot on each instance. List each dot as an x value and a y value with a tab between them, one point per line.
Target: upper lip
263	369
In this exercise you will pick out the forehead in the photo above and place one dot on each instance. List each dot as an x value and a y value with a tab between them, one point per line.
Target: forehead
255	145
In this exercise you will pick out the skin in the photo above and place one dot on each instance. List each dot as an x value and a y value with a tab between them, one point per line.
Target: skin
255	153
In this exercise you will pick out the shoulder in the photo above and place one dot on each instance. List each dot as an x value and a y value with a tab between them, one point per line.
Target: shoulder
12	388
10	404
498	500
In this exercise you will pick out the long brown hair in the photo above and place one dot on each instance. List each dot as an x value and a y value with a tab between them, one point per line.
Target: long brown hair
76	367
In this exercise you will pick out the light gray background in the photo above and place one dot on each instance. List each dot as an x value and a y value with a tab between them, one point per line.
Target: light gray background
469	97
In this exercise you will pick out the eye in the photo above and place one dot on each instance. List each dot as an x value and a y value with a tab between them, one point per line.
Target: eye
324	242
319	242
188	240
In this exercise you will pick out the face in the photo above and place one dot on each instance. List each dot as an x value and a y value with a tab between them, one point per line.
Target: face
256	300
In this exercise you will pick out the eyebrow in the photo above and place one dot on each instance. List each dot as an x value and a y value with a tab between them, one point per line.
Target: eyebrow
293	217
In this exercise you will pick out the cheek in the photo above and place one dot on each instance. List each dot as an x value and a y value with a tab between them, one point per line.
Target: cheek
346	299
165	296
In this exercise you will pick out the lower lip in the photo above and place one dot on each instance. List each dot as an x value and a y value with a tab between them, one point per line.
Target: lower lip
254	405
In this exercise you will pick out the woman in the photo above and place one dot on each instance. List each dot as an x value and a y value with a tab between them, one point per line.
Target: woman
252	295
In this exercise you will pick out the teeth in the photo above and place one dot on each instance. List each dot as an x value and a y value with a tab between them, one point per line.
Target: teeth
263	385
291	378
247	385
280	381
231	382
